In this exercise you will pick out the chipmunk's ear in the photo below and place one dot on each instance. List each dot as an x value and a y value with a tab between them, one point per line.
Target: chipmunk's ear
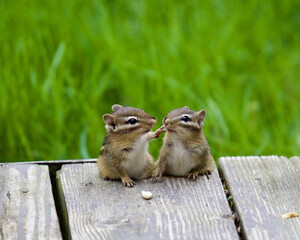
108	119
186	107
201	117
116	107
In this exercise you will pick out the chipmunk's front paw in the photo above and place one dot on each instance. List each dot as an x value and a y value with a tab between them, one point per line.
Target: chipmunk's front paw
160	131
128	182
151	136
157	174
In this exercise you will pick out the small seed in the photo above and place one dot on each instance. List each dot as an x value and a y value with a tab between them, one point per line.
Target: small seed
290	215
146	195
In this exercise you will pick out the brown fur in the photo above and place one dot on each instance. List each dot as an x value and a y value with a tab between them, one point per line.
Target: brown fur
193	145
124	151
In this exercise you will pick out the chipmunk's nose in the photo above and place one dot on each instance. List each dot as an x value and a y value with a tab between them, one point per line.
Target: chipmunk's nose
166	121
153	120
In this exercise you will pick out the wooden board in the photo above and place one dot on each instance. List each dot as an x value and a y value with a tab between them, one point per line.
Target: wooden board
295	161
179	209
27	209
263	188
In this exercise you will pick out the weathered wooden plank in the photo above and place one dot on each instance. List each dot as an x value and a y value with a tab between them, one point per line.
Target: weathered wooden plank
179	209
27	209
295	161
263	188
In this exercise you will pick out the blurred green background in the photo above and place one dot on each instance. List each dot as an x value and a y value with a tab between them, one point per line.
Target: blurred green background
65	63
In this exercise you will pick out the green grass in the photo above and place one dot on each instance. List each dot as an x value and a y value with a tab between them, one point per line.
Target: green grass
63	64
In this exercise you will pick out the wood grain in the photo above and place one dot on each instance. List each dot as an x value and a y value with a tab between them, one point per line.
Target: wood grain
179	208
295	161
264	188
27	208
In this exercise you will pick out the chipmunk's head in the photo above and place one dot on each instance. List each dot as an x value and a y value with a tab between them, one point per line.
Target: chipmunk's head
128	120
184	120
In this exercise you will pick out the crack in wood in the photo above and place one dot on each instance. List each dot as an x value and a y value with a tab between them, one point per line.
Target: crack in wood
59	202
8	195
234	212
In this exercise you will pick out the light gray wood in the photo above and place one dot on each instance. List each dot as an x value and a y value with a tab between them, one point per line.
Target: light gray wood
264	188
27	209
295	161
179	209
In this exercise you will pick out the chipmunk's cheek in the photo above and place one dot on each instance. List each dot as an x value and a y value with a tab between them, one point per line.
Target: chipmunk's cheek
171	130
150	126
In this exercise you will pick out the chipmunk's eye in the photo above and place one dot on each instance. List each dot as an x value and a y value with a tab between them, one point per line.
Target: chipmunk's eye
185	118
132	121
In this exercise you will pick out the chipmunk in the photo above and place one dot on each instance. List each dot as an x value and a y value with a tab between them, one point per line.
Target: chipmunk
185	151
124	153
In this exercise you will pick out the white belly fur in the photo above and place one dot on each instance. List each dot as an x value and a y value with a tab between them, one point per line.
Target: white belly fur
179	163
138	159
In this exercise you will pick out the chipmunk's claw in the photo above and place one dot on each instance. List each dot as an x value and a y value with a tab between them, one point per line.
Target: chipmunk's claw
128	182
206	173
191	176
157	174
154	179
160	131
